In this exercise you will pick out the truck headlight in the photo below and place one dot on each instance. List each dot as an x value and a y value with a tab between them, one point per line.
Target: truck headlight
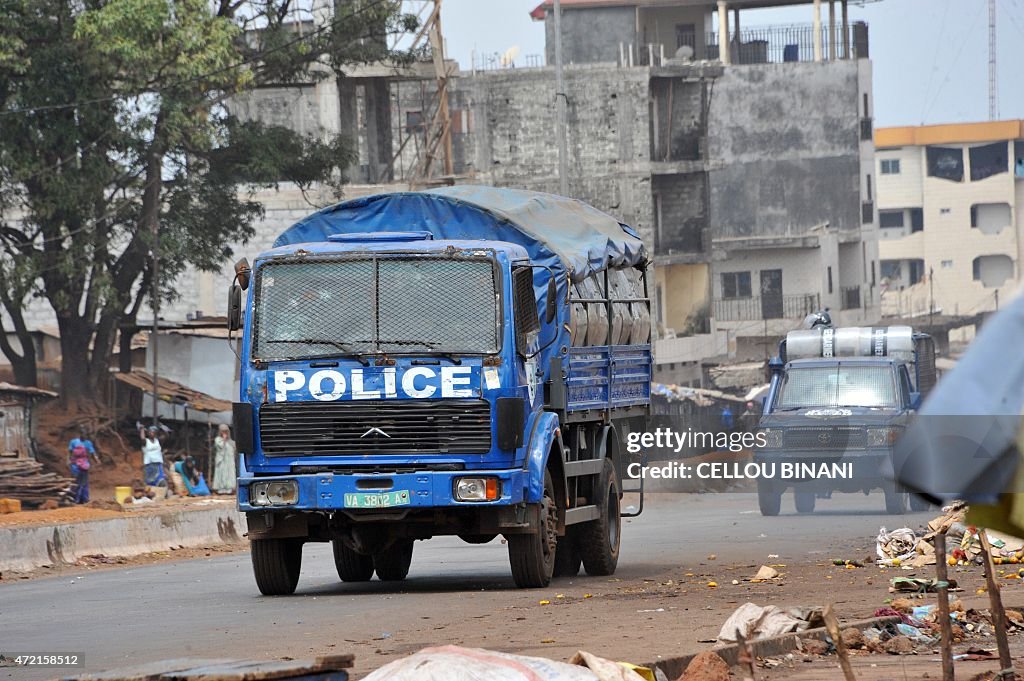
772	438
276	493
477	489
883	437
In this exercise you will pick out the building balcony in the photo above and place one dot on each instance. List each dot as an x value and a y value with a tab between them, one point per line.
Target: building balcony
795	306
761	45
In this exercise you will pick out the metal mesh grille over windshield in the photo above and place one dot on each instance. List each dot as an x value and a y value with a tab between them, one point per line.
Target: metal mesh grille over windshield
327	307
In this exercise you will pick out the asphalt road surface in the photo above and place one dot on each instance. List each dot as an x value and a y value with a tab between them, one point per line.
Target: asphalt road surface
455	593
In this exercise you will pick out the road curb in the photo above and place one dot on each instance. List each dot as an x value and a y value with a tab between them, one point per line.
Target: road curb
27	548
674	667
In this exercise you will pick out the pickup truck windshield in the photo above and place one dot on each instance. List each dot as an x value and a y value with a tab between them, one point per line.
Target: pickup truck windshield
837	386
393	305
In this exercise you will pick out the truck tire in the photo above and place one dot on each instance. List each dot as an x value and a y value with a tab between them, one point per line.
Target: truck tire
392	564
351	566
532	556
567	555
599	539
804	501
276	564
895	500
769	499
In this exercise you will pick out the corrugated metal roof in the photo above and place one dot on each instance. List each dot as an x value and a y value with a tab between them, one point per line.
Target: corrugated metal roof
173	392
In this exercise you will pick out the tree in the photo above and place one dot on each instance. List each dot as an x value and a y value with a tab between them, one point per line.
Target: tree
115	140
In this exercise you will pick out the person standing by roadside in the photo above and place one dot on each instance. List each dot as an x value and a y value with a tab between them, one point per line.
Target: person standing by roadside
224	461
80	451
152	457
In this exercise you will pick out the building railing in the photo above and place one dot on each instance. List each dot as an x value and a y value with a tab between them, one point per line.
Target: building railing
757	45
795	306
850	297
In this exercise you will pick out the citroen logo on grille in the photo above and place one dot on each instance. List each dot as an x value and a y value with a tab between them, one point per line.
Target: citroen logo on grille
375	431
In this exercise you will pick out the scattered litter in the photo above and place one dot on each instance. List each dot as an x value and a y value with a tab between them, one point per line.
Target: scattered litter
773	556
918	585
712	585
754	622
765	574
654	610
544	602
896	547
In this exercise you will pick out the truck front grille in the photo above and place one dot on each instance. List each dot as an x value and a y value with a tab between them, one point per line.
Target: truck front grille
818	437
354	428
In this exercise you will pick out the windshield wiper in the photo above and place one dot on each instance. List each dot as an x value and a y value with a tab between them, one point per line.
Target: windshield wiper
344	347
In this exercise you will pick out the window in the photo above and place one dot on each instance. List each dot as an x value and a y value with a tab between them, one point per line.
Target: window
413	121
889	219
946	163
947	264
890	166
991	218
988	160
916	220
843	385
992	270
735	285
868	178
830	279
873	279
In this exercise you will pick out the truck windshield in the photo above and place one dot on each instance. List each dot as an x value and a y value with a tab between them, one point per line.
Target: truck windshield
837	386
394	305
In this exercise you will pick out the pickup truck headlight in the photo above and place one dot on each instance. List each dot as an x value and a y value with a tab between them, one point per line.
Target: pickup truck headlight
772	438
883	437
276	493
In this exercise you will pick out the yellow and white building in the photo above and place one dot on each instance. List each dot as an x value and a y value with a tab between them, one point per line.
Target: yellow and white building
951	238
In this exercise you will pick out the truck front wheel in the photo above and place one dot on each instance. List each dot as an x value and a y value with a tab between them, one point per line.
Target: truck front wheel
532	556
769	499
351	566
276	564
599	539
392	564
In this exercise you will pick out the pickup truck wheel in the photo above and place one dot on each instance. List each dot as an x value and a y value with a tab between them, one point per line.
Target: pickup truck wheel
599	539
804	502
276	564
895	500
392	564
351	566
567	555
769	499
532	556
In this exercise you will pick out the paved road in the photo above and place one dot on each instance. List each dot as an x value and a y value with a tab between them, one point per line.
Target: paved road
455	592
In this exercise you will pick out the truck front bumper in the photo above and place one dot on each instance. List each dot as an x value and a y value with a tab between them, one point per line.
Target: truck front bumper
425	489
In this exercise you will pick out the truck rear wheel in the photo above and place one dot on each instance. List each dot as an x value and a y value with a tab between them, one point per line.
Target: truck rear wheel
532	556
351	566
804	502
392	564
567	555
276	564
599	539
769	499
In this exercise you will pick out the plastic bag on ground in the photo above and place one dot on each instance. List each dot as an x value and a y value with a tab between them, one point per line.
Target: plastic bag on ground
455	663
755	621
899	545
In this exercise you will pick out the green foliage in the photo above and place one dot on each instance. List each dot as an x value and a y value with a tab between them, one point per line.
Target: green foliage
115	125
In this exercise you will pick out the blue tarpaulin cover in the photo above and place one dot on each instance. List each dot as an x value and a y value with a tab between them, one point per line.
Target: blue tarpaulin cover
558	232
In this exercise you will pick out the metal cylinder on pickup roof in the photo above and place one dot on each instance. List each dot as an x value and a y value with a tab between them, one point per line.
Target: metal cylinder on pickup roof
854	341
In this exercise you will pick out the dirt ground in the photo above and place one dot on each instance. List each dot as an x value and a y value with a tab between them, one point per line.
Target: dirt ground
100	509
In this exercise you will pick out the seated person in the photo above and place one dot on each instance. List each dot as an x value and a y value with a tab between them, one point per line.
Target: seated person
195	485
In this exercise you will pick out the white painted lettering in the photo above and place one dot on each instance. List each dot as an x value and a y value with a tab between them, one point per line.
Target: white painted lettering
409	382
285	382
389	382
316	388
357	387
452	378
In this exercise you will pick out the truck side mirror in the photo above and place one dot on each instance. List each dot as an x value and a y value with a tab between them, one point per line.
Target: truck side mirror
234	307
915	401
243	273
552	309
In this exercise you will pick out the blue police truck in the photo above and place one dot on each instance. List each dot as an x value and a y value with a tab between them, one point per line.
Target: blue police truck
459	361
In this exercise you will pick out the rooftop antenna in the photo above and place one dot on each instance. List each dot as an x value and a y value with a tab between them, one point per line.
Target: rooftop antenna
993	81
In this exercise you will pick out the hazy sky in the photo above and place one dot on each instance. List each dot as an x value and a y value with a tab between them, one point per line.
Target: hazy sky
930	56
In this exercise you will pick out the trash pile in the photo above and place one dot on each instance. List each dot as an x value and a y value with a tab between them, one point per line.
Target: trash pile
753	622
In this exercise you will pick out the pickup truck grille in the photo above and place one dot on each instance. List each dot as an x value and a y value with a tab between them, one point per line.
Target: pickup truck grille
827	438
355	428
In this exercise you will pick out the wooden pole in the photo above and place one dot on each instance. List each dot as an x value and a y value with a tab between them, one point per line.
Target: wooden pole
996	604
832	624
943	590
746	658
